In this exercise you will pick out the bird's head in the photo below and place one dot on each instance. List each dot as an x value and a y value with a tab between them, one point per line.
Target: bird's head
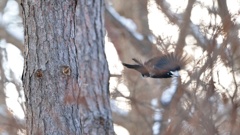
145	75
173	73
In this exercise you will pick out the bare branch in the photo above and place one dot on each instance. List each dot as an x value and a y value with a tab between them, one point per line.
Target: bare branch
4	34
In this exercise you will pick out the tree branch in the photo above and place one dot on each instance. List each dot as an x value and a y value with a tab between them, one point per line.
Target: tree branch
4	34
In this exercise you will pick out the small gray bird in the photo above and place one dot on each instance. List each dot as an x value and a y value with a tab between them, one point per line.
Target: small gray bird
164	66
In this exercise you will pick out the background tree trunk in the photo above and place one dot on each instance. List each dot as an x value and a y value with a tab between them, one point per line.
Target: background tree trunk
65	72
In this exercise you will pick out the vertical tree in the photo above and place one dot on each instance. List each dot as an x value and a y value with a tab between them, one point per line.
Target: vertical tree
65	72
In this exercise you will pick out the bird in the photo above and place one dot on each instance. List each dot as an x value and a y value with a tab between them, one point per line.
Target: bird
163	66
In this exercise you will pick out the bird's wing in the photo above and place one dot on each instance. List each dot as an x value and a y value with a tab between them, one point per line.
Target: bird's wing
169	62
165	63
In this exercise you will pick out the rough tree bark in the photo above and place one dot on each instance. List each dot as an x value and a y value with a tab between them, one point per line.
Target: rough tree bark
65	72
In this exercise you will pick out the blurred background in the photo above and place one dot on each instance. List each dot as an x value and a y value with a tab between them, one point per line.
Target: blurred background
204	101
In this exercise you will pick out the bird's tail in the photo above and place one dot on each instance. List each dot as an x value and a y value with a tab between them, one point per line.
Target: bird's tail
131	66
140	65
140	68
137	61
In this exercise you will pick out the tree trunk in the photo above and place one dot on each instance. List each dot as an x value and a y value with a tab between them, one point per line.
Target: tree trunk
65	72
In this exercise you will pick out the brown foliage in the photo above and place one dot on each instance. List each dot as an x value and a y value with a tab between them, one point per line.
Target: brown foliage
206	101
